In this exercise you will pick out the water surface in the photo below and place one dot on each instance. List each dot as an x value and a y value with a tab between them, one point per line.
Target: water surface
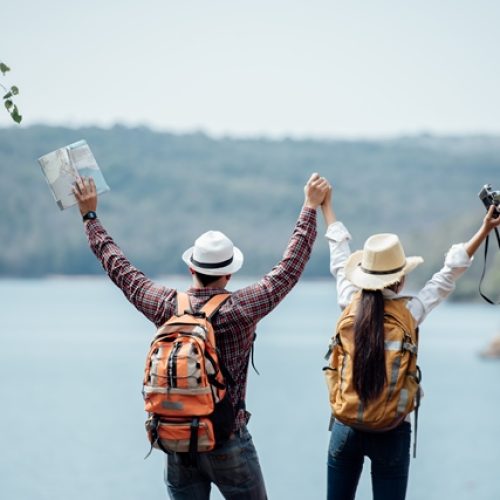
72	353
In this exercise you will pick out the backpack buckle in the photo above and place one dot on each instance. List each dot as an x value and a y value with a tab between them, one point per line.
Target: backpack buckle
198	314
408	344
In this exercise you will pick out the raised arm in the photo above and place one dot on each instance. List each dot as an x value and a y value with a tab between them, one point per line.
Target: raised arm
457	260
154	301
257	300
327	208
490	222
338	241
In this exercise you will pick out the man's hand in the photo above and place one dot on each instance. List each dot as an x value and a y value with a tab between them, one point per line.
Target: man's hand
86	194
315	191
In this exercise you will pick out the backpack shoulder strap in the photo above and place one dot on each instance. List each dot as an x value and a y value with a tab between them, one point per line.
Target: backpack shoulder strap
183	303
347	313
213	304
398	309
399	312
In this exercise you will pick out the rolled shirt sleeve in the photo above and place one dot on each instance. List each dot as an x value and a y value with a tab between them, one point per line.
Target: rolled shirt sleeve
259	299
155	301
442	283
338	240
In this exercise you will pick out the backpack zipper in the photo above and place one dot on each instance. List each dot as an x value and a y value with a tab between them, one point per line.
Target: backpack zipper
172	365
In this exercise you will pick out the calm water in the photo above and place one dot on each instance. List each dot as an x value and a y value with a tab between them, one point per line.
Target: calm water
71	425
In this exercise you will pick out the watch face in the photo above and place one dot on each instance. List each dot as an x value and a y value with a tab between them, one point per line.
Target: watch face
90	216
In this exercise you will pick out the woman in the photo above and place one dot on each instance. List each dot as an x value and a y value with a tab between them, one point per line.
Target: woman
369	281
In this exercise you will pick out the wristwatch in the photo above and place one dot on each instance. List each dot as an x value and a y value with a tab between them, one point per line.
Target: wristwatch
89	216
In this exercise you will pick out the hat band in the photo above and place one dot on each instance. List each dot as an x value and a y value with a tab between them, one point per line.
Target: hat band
210	265
391	271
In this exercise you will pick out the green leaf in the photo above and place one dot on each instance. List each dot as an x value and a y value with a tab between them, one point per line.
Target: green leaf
4	68
8	95
14	90
15	115
8	104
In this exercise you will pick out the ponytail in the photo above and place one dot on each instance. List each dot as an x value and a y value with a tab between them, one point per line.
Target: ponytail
369	358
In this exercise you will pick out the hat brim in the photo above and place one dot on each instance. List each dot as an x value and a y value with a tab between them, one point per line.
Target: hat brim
218	271
361	279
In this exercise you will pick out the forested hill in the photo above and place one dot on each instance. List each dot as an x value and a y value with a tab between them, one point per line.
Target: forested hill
167	189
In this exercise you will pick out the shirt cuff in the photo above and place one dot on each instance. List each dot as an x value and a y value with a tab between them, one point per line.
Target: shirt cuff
457	257
308	213
337	232
92	225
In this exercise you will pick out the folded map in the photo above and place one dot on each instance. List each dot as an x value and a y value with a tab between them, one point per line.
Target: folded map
64	166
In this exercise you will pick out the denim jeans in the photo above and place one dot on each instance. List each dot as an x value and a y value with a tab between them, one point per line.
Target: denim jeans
233	467
388	451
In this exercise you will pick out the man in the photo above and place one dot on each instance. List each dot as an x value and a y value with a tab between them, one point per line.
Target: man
233	466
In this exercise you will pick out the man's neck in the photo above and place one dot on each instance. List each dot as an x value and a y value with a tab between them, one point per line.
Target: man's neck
219	284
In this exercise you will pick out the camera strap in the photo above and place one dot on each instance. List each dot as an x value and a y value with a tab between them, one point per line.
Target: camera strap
484	267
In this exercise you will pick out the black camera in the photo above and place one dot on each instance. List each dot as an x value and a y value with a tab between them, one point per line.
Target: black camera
490	197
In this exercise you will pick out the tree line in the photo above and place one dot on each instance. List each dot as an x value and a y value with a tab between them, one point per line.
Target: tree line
167	188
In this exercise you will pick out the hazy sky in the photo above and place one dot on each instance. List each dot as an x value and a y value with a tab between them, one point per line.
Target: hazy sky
301	68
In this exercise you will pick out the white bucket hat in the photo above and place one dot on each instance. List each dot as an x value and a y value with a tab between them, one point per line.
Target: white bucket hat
381	263
214	254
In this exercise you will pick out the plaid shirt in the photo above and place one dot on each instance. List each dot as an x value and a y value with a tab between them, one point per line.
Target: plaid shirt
236	321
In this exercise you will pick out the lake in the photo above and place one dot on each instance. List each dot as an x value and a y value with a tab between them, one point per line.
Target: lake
72	420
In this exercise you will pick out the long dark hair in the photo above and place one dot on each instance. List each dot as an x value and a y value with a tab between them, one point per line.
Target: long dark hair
369	358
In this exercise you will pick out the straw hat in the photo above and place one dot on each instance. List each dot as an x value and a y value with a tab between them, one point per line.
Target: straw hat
381	263
213	253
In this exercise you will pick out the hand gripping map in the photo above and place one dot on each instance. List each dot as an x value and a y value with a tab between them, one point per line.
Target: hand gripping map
64	166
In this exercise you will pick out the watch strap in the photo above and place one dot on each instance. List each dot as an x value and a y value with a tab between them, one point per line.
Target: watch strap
91	215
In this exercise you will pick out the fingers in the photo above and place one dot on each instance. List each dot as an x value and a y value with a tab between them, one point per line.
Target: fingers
492	212
313	177
78	187
92	187
492	218
493	215
316	190
320	183
84	186
323	184
316	180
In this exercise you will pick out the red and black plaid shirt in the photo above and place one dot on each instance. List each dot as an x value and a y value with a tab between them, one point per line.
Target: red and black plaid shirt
236	321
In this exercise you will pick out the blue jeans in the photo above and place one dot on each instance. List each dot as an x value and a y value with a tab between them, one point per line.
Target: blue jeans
389	453
234	467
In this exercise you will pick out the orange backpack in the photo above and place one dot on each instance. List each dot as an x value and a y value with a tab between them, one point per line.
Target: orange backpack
401	394
184	384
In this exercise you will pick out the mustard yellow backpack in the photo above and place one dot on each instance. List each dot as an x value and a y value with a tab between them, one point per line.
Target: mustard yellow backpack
401	394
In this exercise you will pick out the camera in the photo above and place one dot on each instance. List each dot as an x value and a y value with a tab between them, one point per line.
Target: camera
490	197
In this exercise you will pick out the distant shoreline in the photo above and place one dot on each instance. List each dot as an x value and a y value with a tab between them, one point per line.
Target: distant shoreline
184	280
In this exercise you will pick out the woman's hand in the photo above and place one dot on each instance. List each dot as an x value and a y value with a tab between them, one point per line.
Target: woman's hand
491	219
327	207
490	222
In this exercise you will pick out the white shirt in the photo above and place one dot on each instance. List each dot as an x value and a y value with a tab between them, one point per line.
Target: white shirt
433	293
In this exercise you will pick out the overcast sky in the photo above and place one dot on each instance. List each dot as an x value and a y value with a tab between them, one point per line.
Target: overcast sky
259	67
